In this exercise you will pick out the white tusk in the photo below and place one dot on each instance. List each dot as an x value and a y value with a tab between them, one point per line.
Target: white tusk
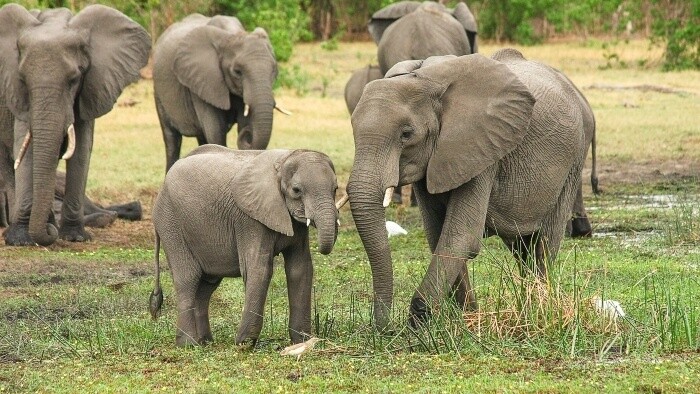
387	196
23	149
308	222
246	109
284	111
342	202
71	143
338	221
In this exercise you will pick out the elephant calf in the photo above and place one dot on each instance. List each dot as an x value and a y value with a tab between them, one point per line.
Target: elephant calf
226	213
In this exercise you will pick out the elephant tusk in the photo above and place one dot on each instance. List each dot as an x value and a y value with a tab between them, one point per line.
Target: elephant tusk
284	111
71	143
387	196
246	109
23	149
308	222
342	202
338	221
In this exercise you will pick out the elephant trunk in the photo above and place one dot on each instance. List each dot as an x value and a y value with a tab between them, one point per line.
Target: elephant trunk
366	193
47	130
326	223
258	95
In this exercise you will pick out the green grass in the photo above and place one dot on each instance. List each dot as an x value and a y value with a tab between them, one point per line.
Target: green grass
73	317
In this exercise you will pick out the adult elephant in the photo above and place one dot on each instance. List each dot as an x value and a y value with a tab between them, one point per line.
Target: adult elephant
490	145
410	30
209	73
58	72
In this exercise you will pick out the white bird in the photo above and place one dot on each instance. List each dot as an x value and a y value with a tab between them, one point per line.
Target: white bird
611	308
393	228
299	348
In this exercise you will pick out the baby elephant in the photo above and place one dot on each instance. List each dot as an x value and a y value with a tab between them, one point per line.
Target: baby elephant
227	213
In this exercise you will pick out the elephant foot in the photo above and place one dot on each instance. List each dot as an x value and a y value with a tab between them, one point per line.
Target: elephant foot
74	233
580	227
182	339
419	313
128	211
100	220
18	235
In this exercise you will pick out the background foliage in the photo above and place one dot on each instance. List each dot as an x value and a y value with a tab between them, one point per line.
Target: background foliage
674	24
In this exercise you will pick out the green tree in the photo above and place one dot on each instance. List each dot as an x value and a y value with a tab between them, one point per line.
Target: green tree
677	26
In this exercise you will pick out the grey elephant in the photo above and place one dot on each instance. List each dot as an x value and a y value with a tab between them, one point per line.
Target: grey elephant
357	82
226	213
410	30
490	145
58	72
209	73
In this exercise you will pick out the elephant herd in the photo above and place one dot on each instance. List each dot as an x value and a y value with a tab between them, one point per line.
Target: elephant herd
490	146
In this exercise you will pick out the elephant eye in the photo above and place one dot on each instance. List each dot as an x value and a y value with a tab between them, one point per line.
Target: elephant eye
406	133
296	190
237	72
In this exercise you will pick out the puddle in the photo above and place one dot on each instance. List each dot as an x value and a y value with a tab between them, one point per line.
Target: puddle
662	201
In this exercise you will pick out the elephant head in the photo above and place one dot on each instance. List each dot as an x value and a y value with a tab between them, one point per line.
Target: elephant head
57	69
228	67
442	121
277	186
383	18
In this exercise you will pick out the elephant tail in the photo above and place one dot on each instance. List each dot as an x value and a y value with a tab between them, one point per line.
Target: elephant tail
594	172
156	299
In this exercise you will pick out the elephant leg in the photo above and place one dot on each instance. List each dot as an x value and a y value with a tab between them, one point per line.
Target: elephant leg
396	198
4	210
17	234
528	250
213	123
460	240
206	288
579	225
256	269
72	222
463	293
432	211
96	216
299	272
129	211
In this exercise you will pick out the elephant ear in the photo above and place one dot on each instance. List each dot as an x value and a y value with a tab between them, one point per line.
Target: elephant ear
256	191
197	65
13	19
465	17
118	49
386	16
486	113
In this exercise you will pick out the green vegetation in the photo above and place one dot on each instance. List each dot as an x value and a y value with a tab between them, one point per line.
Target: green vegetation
73	317
672	24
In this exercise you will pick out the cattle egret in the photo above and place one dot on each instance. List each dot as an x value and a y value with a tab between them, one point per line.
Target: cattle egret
299	348
393	228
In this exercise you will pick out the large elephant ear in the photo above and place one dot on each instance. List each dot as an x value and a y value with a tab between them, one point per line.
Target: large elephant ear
386	16
256	191
118	49
465	17
13	19
486	113
197	65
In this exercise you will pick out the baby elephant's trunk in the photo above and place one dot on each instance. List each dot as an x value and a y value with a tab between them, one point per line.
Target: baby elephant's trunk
156	299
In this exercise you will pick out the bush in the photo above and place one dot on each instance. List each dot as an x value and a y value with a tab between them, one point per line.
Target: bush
283	20
677	24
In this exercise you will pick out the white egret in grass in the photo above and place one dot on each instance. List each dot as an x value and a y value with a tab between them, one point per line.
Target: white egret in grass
299	348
